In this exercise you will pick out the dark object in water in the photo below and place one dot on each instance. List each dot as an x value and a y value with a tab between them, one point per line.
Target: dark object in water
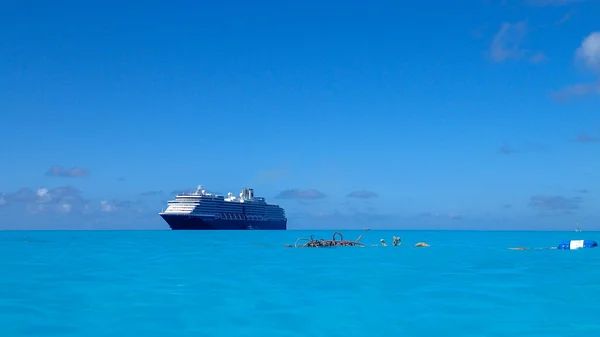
311	242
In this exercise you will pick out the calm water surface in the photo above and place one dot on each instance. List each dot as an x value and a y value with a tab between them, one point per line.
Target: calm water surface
172	283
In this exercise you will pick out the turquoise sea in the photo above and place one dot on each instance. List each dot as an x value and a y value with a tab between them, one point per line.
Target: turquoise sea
246	283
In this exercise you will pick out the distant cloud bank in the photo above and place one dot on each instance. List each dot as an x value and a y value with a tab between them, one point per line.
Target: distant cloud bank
362	194
554	203
59	171
307	194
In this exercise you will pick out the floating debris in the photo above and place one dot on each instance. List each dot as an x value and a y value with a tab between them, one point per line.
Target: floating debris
565	245
576	244
321	243
395	241
312	242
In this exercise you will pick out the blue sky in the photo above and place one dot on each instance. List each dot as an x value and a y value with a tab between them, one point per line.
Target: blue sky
452	115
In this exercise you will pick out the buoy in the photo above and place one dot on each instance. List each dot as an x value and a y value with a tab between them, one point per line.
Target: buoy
576	244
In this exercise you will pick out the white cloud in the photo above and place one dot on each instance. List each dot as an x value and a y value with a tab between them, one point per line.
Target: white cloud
66	208
58	199
108	206
59	171
41	192
105	206
508	43
580	89
589	51
43	195
588	55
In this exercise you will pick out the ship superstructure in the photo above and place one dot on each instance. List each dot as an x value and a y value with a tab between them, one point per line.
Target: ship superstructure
204	210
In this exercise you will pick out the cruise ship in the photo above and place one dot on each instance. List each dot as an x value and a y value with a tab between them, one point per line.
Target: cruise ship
201	210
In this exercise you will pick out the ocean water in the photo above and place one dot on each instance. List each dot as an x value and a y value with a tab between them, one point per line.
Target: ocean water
246	283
